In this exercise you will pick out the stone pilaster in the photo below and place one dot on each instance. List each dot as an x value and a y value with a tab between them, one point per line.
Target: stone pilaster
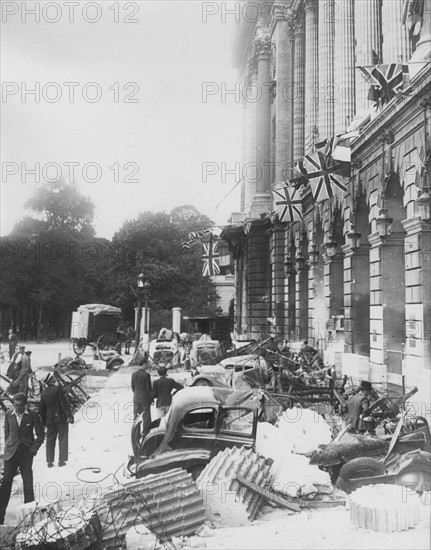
418	303
326	68
263	125
284	96
301	301
356	300
249	168
257	280
344	62
299	103
368	40
311	73
278	279
396	46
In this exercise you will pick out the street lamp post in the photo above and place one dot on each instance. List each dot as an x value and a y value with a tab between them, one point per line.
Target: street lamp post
146	291
139	316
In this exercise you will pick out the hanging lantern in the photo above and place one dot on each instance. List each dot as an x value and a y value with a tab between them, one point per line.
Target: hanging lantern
384	224
423	204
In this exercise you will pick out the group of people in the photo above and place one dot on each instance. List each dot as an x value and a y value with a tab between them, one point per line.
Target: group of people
145	392
25	429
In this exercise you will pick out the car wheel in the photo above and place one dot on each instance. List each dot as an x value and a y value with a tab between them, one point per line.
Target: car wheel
364	466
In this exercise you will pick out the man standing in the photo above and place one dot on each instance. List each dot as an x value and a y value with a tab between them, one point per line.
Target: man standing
15	364
162	391
12	339
54	411
142	400
20	385
21	446
356	405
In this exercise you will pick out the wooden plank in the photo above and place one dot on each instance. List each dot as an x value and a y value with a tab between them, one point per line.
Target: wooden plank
268	495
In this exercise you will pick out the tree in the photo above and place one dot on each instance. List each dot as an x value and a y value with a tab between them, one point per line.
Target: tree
151	244
63	208
54	262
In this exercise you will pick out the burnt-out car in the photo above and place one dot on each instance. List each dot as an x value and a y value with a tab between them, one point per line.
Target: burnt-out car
200	422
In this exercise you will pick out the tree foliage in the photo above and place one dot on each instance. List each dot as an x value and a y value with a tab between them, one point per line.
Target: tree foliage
52	263
151	244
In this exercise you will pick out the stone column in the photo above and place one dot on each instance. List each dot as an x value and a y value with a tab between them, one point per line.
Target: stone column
244	138
423	47
396	46
249	170
311	73
344	62
326	68
298	116
263	123
284	96
368	40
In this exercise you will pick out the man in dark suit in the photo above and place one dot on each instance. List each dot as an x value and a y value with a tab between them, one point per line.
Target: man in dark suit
162	391
21	446
142	400
54	411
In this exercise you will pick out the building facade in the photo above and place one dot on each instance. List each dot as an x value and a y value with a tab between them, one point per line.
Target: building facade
353	275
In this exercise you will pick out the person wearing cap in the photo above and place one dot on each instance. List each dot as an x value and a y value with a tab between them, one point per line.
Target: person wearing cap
356	405
24	434
162	391
55	414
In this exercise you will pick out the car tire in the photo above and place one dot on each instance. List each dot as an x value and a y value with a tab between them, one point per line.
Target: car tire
364	466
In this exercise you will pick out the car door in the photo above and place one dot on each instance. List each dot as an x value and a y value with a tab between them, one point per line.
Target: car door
197	428
236	427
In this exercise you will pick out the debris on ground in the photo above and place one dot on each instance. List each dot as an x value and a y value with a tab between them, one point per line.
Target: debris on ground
168	504
226	501
384	508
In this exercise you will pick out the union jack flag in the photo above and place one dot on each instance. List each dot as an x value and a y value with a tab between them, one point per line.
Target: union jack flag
194	236
324	180
210	258
288	204
386	81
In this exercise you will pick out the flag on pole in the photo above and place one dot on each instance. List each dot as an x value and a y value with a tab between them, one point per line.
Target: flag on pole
386	81
210	258
288	204
194	236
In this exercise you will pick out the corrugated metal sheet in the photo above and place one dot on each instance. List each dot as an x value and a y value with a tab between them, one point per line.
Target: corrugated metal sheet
239	461
168	504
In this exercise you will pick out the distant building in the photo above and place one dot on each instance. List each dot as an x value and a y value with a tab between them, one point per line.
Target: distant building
354	275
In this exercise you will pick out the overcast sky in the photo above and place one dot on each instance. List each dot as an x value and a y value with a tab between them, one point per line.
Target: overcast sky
158	123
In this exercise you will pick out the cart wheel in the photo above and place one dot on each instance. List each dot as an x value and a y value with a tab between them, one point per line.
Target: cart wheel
78	347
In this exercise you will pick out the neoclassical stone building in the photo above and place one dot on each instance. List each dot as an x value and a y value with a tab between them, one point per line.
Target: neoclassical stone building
354	275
